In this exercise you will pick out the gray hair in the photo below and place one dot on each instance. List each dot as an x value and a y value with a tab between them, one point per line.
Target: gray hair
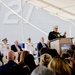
42	70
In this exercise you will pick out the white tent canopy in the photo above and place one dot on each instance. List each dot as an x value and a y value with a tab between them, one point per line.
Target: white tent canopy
64	9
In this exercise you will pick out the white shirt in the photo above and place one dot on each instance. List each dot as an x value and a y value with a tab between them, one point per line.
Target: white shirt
43	44
4	48
29	47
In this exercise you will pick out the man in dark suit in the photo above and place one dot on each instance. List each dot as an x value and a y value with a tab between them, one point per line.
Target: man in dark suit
16	48
41	45
55	34
5	68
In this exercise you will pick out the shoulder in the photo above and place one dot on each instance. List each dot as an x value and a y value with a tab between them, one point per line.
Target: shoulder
51	32
19	46
39	43
12	45
1	67
15	69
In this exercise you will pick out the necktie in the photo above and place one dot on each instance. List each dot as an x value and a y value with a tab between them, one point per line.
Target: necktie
17	48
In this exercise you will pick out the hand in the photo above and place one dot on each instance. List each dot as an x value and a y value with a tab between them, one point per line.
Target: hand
65	33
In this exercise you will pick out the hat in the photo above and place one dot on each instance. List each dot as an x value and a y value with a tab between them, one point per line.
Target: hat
5	39
55	27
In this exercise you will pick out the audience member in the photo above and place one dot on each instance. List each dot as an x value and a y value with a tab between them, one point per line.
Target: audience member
67	57
73	46
51	52
5	68
21	68
43	50
45	59
27	60
60	66
22	57
72	58
42	70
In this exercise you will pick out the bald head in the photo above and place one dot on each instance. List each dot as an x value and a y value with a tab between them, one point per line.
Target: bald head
11	55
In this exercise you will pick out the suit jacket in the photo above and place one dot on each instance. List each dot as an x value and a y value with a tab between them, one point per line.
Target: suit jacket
14	48
53	35
5	68
39	46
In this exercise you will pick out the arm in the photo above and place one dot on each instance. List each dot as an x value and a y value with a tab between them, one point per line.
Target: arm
51	36
64	36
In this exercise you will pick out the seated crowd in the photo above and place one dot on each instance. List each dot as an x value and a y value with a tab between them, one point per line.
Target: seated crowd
22	62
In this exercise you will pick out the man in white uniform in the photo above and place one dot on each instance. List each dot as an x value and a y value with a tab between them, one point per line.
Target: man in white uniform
29	46
5	47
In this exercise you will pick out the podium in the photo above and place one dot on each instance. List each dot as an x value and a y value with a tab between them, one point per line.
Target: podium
61	44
